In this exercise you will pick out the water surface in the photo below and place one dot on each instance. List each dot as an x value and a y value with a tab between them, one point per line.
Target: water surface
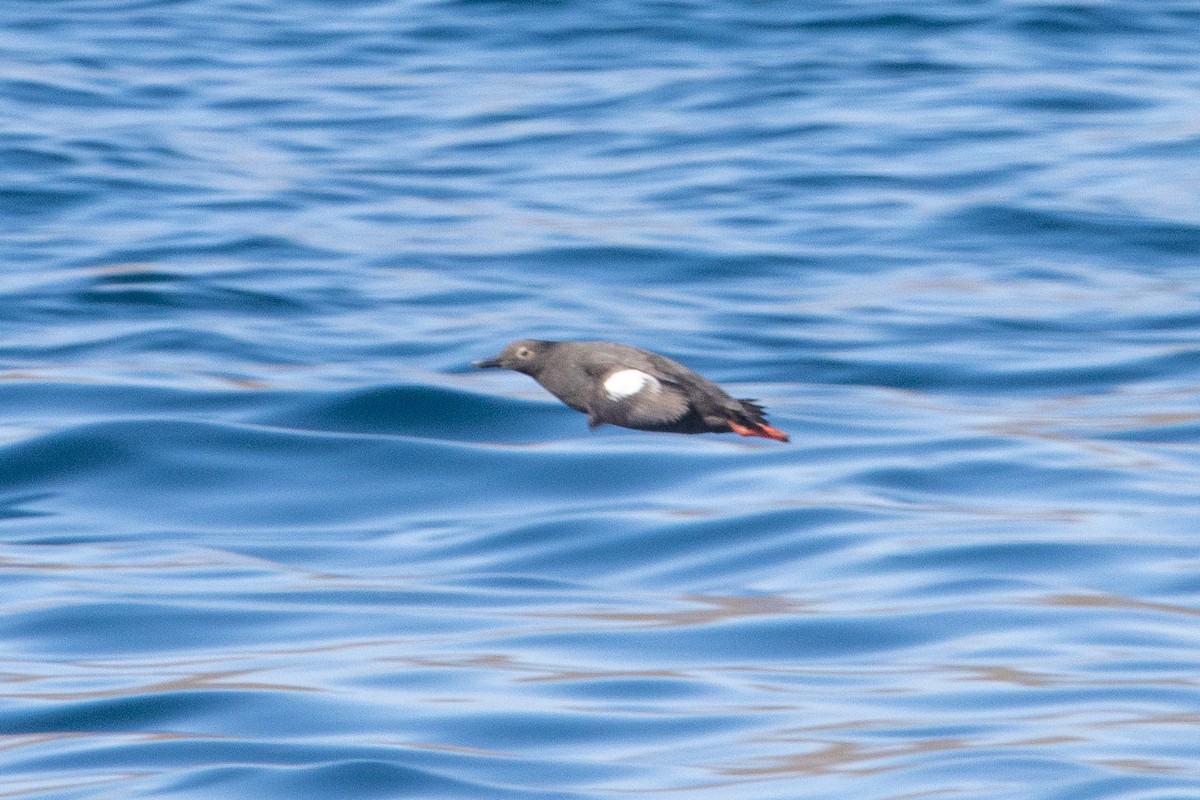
265	534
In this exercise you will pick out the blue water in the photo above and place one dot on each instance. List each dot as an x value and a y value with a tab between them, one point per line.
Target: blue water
265	534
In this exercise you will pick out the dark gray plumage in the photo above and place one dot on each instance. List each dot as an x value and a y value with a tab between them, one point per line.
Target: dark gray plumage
621	385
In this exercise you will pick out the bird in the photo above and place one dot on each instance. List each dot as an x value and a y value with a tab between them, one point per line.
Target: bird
616	384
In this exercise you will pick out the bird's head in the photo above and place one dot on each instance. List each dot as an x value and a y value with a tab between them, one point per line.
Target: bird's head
523	355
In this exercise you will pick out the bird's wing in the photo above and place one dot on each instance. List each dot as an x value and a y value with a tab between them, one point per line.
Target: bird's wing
635	398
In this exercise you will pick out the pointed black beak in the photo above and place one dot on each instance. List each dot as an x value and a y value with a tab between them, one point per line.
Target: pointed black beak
487	362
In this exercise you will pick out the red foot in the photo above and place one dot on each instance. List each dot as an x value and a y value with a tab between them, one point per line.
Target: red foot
765	431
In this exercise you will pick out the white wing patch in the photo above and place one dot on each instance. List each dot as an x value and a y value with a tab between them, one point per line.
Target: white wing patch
628	382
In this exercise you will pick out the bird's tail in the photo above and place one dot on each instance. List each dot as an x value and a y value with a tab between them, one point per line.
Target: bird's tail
754	423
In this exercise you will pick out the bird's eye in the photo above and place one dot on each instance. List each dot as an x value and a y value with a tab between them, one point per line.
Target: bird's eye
523	352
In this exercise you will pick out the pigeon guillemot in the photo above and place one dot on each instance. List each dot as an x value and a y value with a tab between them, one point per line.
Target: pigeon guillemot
621	385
